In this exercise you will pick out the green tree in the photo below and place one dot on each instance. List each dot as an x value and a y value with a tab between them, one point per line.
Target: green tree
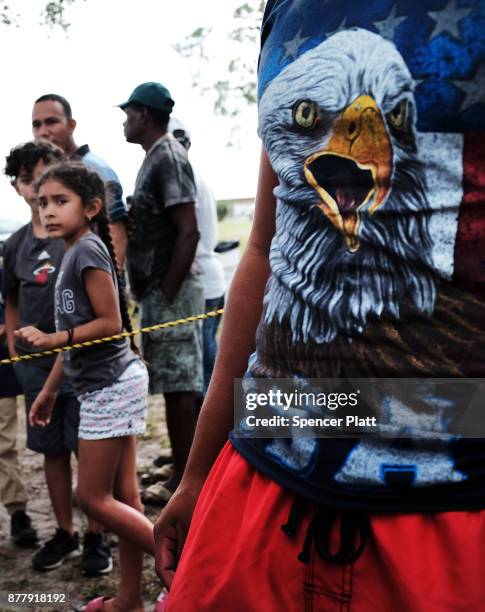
53	14
222	210
236	87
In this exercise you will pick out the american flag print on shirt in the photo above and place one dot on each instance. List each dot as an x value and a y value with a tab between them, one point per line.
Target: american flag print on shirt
372	115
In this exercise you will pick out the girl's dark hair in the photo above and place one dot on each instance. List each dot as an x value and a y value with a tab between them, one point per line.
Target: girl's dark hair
88	185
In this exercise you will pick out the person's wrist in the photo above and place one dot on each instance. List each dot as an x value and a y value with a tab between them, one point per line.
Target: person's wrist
192	482
169	291
70	336
57	339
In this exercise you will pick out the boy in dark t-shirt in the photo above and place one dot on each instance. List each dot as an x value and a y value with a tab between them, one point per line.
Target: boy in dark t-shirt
32	261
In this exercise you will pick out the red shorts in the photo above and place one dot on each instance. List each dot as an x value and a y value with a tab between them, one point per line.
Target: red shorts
237	558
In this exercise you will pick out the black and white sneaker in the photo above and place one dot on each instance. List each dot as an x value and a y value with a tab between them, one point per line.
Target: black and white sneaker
21	530
162	460
96	555
62	546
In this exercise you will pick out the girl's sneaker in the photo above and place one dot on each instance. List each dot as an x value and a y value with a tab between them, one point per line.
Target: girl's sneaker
96	555
62	546
161	460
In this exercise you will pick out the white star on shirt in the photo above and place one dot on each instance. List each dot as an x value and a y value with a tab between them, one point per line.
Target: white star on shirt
448	20
387	26
293	46
473	89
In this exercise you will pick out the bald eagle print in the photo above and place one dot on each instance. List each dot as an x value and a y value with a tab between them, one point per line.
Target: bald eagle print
363	261
354	198
359	257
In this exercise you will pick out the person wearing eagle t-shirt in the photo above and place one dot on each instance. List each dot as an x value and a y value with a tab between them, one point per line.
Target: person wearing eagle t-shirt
32	261
366	260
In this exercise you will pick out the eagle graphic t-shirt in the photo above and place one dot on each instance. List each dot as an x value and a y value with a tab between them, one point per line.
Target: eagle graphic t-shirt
31	268
372	115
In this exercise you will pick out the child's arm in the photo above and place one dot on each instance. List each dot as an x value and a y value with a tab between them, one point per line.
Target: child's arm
242	315
41	410
40	340
104	301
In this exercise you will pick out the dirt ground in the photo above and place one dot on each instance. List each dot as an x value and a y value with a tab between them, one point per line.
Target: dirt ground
16	573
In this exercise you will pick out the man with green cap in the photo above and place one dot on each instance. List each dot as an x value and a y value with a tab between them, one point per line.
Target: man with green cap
160	267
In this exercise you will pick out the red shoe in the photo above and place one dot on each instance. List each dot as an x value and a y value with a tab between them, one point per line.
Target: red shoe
96	605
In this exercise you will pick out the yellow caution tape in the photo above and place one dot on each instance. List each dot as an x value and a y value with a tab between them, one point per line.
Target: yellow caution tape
125	334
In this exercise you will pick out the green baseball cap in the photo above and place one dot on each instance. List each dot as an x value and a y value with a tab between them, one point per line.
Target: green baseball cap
153	95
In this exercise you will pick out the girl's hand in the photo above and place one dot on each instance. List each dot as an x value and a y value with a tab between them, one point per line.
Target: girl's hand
36	338
41	410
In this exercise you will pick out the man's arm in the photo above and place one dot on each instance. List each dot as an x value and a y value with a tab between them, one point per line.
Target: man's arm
117	215
243	312
241	318
184	219
119	237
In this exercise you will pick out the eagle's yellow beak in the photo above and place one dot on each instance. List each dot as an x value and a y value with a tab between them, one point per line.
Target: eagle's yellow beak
354	169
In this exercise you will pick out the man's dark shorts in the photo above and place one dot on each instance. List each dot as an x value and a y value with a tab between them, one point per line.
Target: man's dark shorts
61	435
174	355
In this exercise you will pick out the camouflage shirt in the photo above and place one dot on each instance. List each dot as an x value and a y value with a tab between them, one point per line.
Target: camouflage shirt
165	179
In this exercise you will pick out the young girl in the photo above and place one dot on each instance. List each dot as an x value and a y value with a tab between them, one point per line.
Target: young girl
109	379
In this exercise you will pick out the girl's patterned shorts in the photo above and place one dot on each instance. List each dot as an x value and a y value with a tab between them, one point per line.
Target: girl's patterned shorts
119	409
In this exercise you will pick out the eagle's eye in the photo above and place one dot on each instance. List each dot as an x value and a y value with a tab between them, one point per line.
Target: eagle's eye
397	117
305	114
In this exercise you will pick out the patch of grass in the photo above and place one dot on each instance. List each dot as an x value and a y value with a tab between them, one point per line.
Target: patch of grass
7	555
151	589
164	442
97	590
235	228
151	430
142	468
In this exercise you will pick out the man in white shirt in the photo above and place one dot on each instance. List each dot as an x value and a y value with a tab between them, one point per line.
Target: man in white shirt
206	259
